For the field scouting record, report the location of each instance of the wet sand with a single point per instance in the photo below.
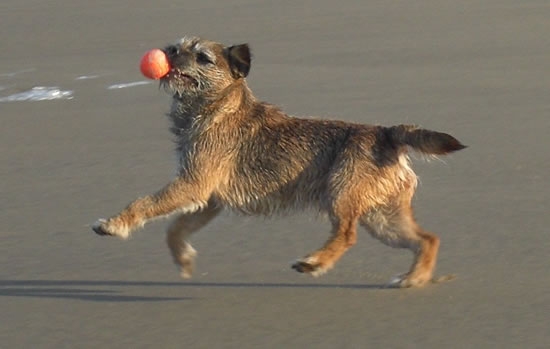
(479, 70)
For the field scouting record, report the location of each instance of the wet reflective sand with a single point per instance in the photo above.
(479, 70)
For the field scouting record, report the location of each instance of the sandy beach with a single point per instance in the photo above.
(82, 133)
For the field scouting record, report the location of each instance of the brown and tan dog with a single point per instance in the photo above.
(239, 153)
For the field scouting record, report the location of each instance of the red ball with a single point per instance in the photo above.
(154, 64)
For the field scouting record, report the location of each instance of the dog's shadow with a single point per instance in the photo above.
(75, 289)
(95, 291)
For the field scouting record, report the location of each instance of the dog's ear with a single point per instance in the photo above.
(238, 57)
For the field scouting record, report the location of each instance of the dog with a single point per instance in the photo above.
(238, 153)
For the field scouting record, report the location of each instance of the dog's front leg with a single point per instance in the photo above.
(176, 196)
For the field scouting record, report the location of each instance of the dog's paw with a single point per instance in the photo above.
(407, 280)
(107, 228)
(397, 281)
(310, 265)
(187, 262)
(99, 227)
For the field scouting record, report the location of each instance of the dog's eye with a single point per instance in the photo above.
(202, 58)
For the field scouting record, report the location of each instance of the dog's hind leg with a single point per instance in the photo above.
(178, 234)
(396, 227)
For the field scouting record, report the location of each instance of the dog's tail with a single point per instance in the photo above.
(424, 141)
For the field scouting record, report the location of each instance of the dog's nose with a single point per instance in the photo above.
(171, 51)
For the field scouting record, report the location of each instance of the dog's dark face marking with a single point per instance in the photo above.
(202, 67)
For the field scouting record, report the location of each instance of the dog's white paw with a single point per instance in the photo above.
(187, 261)
(408, 280)
(397, 281)
(105, 227)
(310, 265)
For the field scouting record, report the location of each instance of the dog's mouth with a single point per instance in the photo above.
(181, 77)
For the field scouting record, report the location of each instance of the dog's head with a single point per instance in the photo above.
(204, 68)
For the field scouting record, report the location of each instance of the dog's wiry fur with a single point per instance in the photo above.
(238, 153)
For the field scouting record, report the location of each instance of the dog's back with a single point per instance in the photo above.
(280, 163)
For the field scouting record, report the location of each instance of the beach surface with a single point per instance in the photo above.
(82, 133)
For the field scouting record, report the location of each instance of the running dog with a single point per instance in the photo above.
(236, 152)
